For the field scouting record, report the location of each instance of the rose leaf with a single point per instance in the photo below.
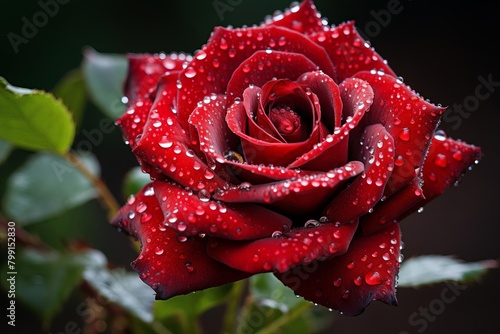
(111, 284)
(72, 91)
(34, 120)
(47, 279)
(47, 185)
(431, 269)
(104, 76)
(5, 148)
(134, 181)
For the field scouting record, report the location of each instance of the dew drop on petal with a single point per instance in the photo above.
(373, 278)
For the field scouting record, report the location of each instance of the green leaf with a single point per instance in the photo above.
(71, 89)
(34, 120)
(192, 305)
(430, 269)
(46, 185)
(135, 180)
(45, 279)
(279, 309)
(5, 149)
(105, 76)
(269, 290)
(124, 289)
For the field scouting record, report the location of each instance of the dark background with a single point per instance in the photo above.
(440, 48)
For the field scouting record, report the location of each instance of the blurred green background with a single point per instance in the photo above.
(439, 48)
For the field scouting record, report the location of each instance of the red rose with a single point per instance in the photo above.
(290, 148)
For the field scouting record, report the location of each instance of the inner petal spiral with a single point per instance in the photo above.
(289, 124)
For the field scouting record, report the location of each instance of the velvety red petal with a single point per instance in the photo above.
(349, 51)
(357, 97)
(258, 151)
(192, 214)
(165, 148)
(264, 66)
(408, 118)
(213, 65)
(446, 163)
(284, 250)
(301, 195)
(393, 208)
(143, 74)
(302, 17)
(349, 282)
(170, 264)
(376, 150)
(328, 94)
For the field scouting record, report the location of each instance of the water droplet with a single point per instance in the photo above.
(189, 267)
(440, 135)
(276, 234)
(165, 142)
(440, 160)
(158, 251)
(255, 258)
(373, 278)
(312, 223)
(351, 265)
(404, 135)
(358, 281)
(145, 217)
(337, 282)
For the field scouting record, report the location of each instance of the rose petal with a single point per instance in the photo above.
(300, 196)
(349, 51)
(328, 94)
(194, 214)
(264, 66)
(392, 209)
(144, 72)
(284, 250)
(302, 17)
(227, 49)
(349, 282)
(258, 151)
(166, 150)
(357, 97)
(408, 118)
(445, 165)
(376, 150)
(170, 264)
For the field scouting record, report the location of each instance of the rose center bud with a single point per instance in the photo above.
(289, 124)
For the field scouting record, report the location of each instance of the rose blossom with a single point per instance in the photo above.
(289, 147)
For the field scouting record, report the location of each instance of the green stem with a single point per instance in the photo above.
(283, 320)
(233, 306)
(105, 194)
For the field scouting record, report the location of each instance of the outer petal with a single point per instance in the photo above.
(349, 51)
(377, 152)
(350, 282)
(170, 264)
(408, 118)
(284, 250)
(192, 214)
(227, 49)
(302, 17)
(166, 148)
(144, 73)
(392, 209)
(448, 160)
(303, 195)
